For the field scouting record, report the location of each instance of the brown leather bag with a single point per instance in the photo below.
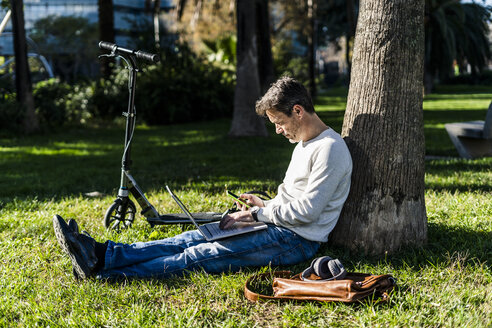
(353, 287)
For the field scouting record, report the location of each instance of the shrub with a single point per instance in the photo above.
(58, 103)
(181, 88)
(79, 103)
(110, 97)
(50, 101)
(184, 88)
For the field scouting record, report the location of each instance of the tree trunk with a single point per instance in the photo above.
(180, 6)
(154, 7)
(265, 57)
(245, 122)
(383, 128)
(22, 74)
(351, 24)
(155, 17)
(311, 46)
(106, 30)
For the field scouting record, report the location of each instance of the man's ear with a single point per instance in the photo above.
(298, 110)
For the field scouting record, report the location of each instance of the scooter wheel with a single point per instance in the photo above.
(120, 215)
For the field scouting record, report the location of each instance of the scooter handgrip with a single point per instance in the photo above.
(107, 45)
(147, 56)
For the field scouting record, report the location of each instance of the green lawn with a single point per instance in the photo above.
(446, 283)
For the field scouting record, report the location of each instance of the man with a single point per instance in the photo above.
(299, 218)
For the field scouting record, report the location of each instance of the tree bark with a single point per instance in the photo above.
(383, 128)
(22, 74)
(106, 30)
(245, 122)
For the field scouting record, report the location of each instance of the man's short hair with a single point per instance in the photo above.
(283, 95)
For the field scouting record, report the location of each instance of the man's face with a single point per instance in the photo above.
(288, 126)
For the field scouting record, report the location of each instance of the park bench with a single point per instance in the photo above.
(472, 139)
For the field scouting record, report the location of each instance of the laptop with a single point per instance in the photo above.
(211, 231)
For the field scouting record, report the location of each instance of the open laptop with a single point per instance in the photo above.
(211, 231)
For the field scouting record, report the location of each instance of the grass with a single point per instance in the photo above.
(446, 283)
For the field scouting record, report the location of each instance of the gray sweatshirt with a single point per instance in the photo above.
(316, 185)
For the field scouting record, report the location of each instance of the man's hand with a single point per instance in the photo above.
(251, 200)
(230, 219)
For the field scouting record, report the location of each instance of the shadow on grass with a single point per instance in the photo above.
(454, 115)
(459, 175)
(444, 242)
(178, 155)
(476, 92)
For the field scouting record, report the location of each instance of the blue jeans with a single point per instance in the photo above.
(190, 251)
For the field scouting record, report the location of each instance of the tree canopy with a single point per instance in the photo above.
(455, 32)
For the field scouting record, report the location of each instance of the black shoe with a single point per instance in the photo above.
(81, 248)
(73, 225)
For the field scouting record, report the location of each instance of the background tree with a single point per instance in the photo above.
(301, 27)
(264, 46)
(22, 74)
(295, 38)
(208, 20)
(338, 18)
(352, 7)
(311, 45)
(245, 122)
(254, 61)
(154, 7)
(106, 30)
(455, 31)
(383, 128)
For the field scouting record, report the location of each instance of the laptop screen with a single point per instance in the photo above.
(176, 199)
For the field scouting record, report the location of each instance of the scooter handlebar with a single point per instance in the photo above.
(153, 58)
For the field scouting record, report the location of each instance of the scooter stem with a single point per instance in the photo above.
(130, 114)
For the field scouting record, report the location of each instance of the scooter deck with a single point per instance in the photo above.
(181, 218)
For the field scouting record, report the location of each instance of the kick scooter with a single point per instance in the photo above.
(121, 213)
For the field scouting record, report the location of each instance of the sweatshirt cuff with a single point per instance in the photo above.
(264, 214)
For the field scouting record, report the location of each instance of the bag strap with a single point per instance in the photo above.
(254, 297)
